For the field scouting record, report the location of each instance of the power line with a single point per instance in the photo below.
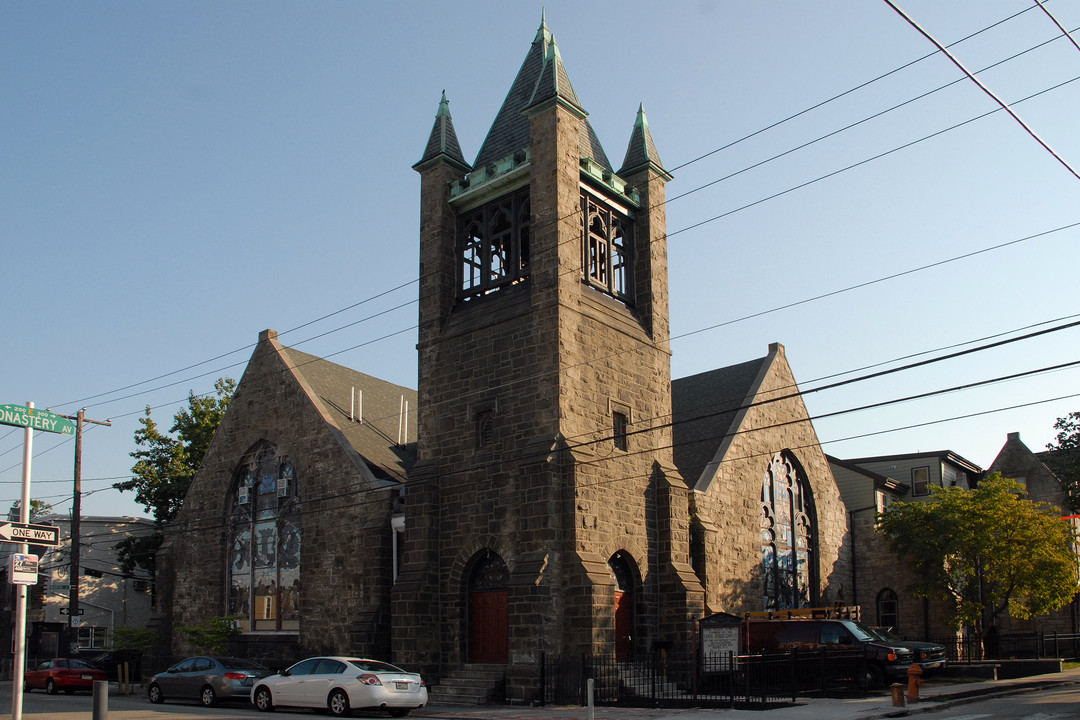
(1004, 106)
(403, 285)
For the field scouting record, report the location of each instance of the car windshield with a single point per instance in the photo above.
(78, 664)
(886, 634)
(860, 631)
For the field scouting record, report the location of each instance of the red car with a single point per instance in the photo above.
(64, 674)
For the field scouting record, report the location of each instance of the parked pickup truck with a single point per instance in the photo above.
(885, 658)
(930, 656)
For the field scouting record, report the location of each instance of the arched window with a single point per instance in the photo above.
(264, 542)
(605, 247)
(888, 609)
(787, 536)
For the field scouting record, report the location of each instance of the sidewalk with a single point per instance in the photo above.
(934, 696)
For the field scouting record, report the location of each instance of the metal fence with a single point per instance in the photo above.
(667, 679)
(1007, 646)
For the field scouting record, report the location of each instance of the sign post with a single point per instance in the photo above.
(31, 419)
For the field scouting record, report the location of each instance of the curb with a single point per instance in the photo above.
(943, 702)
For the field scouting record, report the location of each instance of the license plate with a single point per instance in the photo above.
(87, 677)
(401, 685)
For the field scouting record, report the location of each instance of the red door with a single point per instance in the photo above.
(623, 623)
(488, 627)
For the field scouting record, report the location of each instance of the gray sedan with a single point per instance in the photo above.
(208, 679)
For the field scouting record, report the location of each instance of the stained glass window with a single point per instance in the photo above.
(264, 542)
(787, 536)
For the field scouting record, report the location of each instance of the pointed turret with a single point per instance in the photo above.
(641, 152)
(542, 78)
(443, 141)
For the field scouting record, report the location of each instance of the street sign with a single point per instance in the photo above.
(46, 535)
(27, 417)
(24, 569)
(67, 611)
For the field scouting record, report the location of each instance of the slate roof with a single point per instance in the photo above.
(705, 408)
(443, 141)
(542, 77)
(376, 438)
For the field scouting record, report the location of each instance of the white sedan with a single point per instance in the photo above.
(341, 685)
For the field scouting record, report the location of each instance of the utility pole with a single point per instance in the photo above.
(73, 609)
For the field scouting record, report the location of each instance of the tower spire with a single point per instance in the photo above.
(641, 151)
(443, 142)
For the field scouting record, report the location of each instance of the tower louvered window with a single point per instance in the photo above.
(493, 245)
(605, 247)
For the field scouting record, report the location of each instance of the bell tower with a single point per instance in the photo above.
(544, 513)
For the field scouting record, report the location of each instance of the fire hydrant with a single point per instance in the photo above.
(914, 680)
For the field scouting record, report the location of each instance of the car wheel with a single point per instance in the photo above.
(399, 712)
(264, 701)
(25, 685)
(208, 696)
(338, 703)
(155, 694)
(50, 686)
(874, 677)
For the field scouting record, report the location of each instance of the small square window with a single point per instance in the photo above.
(619, 423)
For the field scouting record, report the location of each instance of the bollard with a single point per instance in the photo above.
(914, 679)
(898, 695)
(101, 700)
(590, 689)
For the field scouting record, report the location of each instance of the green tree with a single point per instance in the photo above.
(212, 636)
(989, 551)
(165, 466)
(1064, 458)
(37, 508)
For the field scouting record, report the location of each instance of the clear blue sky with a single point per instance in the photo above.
(176, 177)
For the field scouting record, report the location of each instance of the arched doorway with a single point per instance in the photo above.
(489, 625)
(622, 570)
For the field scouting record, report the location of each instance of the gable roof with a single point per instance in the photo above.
(542, 78)
(706, 410)
(373, 431)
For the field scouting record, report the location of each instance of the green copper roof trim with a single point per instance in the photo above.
(491, 174)
(599, 175)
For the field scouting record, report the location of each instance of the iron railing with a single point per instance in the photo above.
(667, 679)
(974, 647)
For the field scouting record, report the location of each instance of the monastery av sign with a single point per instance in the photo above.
(35, 419)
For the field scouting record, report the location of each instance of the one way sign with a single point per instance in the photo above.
(46, 535)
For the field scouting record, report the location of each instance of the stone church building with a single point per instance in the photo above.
(547, 489)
